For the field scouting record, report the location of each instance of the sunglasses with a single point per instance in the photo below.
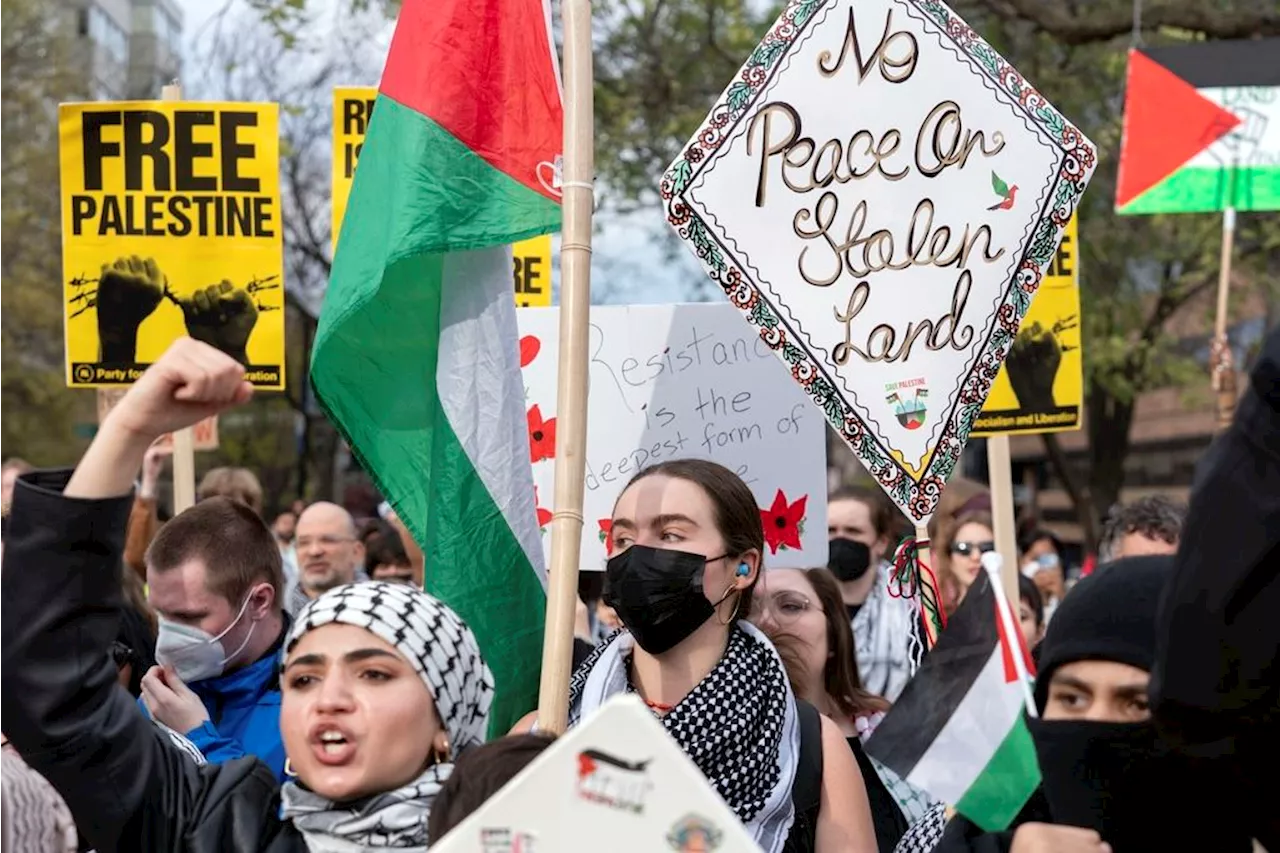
(966, 549)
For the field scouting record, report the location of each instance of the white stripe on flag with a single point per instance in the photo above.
(481, 389)
(971, 736)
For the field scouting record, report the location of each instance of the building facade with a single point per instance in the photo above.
(130, 48)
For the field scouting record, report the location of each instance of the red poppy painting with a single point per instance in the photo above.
(783, 522)
(606, 535)
(542, 436)
(544, 515)
(530, 346)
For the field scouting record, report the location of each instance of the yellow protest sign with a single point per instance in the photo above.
(531, 265)
(352, 109)
(170, 227)
(1040, 387)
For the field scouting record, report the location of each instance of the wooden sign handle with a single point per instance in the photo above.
(571, 387)
(184, 445)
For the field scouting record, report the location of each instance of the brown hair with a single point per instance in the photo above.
(477, 775)
(950, 587)
(239, 484)
(231, 539)
(884, 519)
(955, 497)
(840, 676)
(737, 516)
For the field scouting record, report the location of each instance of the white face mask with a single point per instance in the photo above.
(196, 655)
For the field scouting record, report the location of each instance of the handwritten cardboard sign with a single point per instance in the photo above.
(879, 192)
(677, 382)
(617, 776)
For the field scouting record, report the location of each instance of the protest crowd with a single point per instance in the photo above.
(329, 706)
(218, 673)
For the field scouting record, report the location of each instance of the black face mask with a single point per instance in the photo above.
(848, 560)
(657, 593)
(1115, 778)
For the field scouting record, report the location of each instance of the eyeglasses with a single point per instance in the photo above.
(967, 549)
(325, 542)
(783, 607)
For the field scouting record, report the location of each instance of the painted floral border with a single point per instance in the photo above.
(917, 498)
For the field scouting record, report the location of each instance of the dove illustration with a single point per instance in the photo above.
(1006, 192)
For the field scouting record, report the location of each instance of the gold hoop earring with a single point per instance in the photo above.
(442, 756)
(736, 604)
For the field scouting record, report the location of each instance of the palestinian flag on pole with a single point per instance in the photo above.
(416, 356)
(957, 731)
(1201, 128)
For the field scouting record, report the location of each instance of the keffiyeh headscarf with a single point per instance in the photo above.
(738, 725)
(443, 651)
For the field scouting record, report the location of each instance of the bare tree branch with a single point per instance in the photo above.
(1103, 21)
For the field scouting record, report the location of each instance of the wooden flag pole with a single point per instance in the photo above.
(184, 447)
(571, 386)
(1000, 479)
(1222, 365)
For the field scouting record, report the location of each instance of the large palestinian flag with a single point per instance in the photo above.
(416, 358)
(1201, 128)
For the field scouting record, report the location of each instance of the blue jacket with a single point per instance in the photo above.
(244, 713)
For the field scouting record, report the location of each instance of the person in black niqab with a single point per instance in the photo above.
(1108, 782)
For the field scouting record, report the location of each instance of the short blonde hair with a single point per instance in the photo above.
(239, 484)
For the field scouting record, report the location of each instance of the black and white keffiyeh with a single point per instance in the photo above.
(923, 835)
(738, 725)
(443, 651)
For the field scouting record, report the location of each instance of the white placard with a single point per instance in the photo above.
(879, 193)
(616, 782)
(675, 382)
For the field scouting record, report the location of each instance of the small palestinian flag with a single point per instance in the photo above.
(1201, 128)
(958, 731)
(910, 413)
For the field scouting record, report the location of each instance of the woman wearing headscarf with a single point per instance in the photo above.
(381, 684)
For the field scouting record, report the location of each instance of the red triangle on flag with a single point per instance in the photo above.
(1166, 123)
(1007, 650)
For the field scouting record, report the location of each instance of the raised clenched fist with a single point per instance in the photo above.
(222, 316)
(189, 383)
(1033, 364)
(128, 292)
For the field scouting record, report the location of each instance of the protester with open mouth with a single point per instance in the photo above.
(381, 683)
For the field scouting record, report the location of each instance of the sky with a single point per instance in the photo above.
(631, 264)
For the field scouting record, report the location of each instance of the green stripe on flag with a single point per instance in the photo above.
(1004, 785)
(1199, 190)
(420, 193)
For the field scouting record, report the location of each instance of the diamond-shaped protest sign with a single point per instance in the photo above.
(879, 192)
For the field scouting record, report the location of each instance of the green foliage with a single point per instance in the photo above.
(659, 67)
(40, 68)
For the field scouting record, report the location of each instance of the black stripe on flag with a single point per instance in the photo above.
(1214, 64)
(945, 677)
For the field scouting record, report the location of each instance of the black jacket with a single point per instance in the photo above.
(128, 787)
(1215, 686)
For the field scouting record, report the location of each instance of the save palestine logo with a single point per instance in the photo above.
(908, 399)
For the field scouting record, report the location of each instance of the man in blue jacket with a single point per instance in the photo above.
(216, 580)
